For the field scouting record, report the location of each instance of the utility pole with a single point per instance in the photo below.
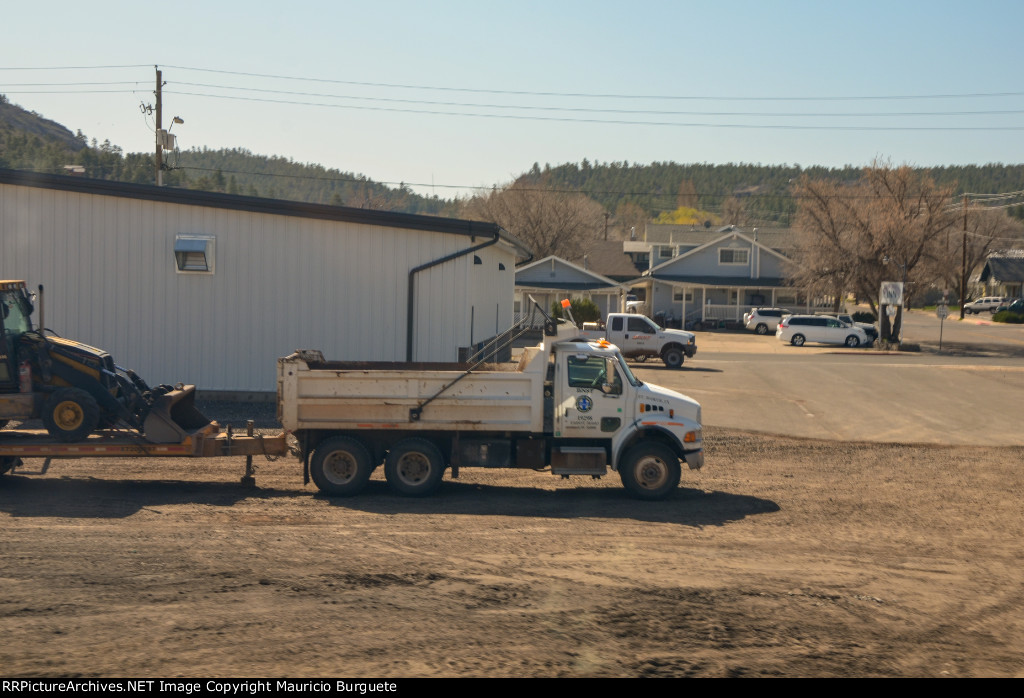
(159, 160)
(963, 266)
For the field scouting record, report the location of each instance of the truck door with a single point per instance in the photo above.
(590, 401)
(641, 335)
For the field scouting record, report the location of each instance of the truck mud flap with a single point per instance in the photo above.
(173, 416)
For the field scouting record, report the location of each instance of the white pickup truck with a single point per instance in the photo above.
(639, 337)
(571, 406)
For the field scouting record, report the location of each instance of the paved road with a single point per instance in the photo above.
(975, 334)
(758, 383)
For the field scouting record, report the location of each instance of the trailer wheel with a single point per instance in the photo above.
(70, 414)
(650, 471)
(414, 468)
(9, 463)
(340, 466)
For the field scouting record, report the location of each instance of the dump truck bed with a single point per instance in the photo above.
(325, 395)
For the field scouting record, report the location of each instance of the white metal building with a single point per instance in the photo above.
(210, 289)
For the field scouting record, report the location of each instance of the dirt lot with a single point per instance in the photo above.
(784, 557)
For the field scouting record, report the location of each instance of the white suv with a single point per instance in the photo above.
(764, 320)
(989, 303)
(798, 329)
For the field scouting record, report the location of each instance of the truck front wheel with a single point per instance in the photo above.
(340, 466)
(650, 471)
(673, 357)
(414, 468)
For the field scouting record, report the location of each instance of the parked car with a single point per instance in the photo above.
(1016, 306)
(764, 320)
(870, 330)
(989, 303)
(799, 329)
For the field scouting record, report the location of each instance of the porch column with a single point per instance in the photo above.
(736, 313)
(703, 303)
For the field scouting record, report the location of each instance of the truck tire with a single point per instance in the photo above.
(340, 466)
(673, 357)
(414, 468)
(650, 471)
(70, 414)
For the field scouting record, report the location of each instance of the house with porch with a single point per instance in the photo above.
(552, 278)
(715, 278)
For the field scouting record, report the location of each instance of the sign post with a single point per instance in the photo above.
(941, 312)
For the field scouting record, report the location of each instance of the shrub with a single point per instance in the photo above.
(583, 310)
(1007, 316)
(863, 316)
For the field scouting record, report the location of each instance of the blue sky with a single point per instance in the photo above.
(465, 94)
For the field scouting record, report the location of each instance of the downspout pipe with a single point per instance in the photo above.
(409, 313)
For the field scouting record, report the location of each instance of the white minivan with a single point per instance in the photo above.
(798, 329)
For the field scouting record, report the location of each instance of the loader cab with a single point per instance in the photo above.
(15, 321)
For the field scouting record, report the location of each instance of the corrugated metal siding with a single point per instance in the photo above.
(280, 283)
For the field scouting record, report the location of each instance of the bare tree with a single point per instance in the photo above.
(887, 225)
(988, 230)
(686, 197)
(734, 212)
(631, 218)
(551, 222)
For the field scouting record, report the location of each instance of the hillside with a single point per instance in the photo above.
(761, 194)
(744, 194)
(28, 141)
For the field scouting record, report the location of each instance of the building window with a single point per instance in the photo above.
(194, 254)
(729, 255)
(665, 252)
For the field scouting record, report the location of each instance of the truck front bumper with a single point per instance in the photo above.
(690, 350)
(695, 459)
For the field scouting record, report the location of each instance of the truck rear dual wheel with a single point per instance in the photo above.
(414, 468)
(340, 467)
(650, 471)
(70, 414)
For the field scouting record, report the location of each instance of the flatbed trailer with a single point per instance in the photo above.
(209, 441)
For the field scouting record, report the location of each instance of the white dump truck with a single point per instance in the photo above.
(640, 338)
(571, 406)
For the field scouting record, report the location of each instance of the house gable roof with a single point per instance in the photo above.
(1003, 268)
(732, 235)
(673, 234)
(582, 279)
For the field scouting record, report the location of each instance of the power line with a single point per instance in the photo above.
(617, 122)
(601, 111)
(76, 67)
(603, 96)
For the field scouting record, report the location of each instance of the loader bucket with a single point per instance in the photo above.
(173, 416)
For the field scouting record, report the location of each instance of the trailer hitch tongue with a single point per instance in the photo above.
(173, 416)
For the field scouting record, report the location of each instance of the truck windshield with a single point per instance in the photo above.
(633, 380)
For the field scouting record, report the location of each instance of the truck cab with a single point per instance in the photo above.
(647, 428)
